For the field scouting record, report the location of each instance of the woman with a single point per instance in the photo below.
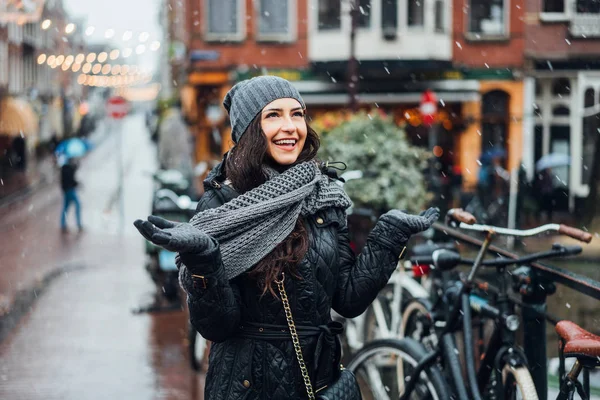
(270, 215)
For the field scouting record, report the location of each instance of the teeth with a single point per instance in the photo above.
(286, 141)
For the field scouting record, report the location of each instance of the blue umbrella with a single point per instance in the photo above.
(490, 154)
(72, 148)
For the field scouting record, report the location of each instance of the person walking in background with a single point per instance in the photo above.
(269, 245)
(69, 185)
(546, 190)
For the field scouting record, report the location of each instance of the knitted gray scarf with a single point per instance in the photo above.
(251, 225)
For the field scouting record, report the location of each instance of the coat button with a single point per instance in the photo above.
(320, 221)
(246, 383)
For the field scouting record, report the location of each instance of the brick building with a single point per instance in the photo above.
(562, 90)
(489, 43)
(230, 40)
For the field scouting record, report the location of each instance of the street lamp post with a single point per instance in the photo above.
(352, 62)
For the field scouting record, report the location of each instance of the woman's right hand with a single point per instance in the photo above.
(179, 237)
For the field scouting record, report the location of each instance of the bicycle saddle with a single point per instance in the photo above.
(577, 342)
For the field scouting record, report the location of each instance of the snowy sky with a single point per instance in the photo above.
(136, 16)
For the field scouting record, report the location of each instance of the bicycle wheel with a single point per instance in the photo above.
(417, 323)
(379, 364)
(518, 384)
(197, 349)
(379, 320)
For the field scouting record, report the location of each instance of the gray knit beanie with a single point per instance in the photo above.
(247, 98)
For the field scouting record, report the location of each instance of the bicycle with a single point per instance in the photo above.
(419, 364)
(585, 348)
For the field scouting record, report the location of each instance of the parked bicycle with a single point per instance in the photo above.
(429, 367)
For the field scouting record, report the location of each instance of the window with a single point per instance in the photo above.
(554, 6)
(589, 98)
(389, 18)
(329, 14)
(561, 111)
(364, 13)
(588, 6)
(274, 20)
(439, 16)
(561, 87)
(415, 12)
(487, 17)
(225, 19)
(591, 127)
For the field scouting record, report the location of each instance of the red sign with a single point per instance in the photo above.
(117, 107)
(428, 107)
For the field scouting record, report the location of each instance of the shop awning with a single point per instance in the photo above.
(330, 93)
(385, 98)
(17, 117)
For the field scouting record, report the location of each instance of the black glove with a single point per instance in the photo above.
(407, 225)
(174, 236)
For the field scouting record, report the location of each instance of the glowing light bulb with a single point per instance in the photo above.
(87, 67)
(69, 28)
(90, 30)
(155, 45)
(127, 36)
(91, 57)
(41, 59)
(109, 33)
(46, 24)
(102, 57)
(127, 52)
(114, 54)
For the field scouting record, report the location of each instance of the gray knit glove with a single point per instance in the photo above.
(407, 225)
(173, 236)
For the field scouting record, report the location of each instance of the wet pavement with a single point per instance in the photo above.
(78, 338)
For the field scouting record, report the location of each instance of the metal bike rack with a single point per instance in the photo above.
(534, 298)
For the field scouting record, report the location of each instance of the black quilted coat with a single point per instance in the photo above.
(252, 356)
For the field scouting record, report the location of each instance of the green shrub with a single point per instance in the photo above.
(392, 168)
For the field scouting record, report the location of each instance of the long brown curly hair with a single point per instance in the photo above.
(244, 168)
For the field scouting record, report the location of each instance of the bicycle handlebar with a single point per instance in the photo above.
(460, 216)
(575, 233)
(447, 259)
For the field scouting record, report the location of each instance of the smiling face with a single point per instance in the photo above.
(283, 123)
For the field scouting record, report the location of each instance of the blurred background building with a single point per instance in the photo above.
(515, 78)
(39, 95)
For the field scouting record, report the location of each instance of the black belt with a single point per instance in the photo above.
(327, 337)
(252, 330)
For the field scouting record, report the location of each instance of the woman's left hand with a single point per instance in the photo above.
(407, 225)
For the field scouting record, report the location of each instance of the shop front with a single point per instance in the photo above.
(564, 120)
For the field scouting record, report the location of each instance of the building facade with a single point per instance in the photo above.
(562, 89)
(230, 40)
(38, 94)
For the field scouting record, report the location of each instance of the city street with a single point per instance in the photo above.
(80, 339)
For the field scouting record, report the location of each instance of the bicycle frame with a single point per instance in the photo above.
(431, 358)
(534, 306)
